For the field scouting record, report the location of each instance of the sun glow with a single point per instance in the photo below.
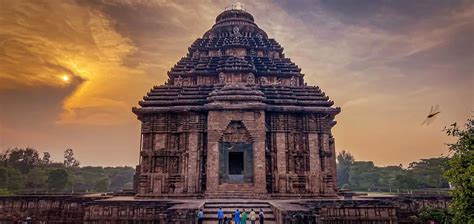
(65, 78)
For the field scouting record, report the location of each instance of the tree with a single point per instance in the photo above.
(57, 179)
(363, 175)
(36, 179)
(69, 160)
(21, 159)
(388, 177)
(11, 179)
(46, 158)
(428, 214)
(344, 161)
(460, 172)
(406, 181)
(429, 172)
(118, 180)
(102, 185)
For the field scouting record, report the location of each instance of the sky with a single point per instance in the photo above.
(385, 63)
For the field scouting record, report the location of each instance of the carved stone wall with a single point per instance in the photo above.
(299, 155)
(172, 157)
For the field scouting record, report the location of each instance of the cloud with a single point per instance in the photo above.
(42, 41)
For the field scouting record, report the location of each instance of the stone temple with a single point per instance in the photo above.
(236, 117)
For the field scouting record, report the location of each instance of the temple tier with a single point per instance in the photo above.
(236, 117)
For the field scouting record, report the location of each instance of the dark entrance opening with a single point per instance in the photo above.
(236, 163)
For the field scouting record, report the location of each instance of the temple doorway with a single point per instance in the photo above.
(236, 163)
(236, 167)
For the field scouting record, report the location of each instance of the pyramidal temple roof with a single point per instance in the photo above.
(235, 51)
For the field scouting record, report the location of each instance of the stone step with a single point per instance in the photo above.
(215, 222)
(214, 216)
(237, 205)
(235, 196)
(229, 207)
(232, 209)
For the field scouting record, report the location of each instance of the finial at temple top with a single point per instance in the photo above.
(236, 6)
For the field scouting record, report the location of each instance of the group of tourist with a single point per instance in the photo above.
(236, 218)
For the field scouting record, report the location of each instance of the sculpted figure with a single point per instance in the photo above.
(264, 81)
(236, 31)
(250, 79)
(178, 81)
(222, 78)
(292, 81)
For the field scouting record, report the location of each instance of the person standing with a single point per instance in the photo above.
(237, 216)
(261, 216)
(200, 216)
(220, 216)
(243, 219)
(226, 221)
(252, 216)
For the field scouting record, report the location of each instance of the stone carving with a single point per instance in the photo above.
(236, 132)
(276, 82)
(292, 81)
(264, 80)
(174, 168)
(222, 78)
(196, 54)
(299, 164)
(250, 79)
(178, 81)
(253, 52)
(236, 32)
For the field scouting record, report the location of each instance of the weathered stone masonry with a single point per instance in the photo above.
(236, 115)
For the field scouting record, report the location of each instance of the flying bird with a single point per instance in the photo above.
(432, 115)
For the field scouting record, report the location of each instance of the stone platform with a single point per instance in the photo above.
(98, 208)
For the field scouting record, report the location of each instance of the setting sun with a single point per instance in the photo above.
(65, 78)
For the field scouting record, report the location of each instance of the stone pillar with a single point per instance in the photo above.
(282, 180)
(193, 166)
(324, 162)
(329, 165)
(212, 153)
(314, 163)
(332, 162)
(259, 157)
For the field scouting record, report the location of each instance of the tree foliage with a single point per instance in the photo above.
(22, 160)
(428, 214)
(365, 176)
(460, 172)
(57, 179)
(344, 161)
(69, 160)
(23, 171)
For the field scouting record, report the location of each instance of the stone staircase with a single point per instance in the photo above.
(229, 206)
(235, 194)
